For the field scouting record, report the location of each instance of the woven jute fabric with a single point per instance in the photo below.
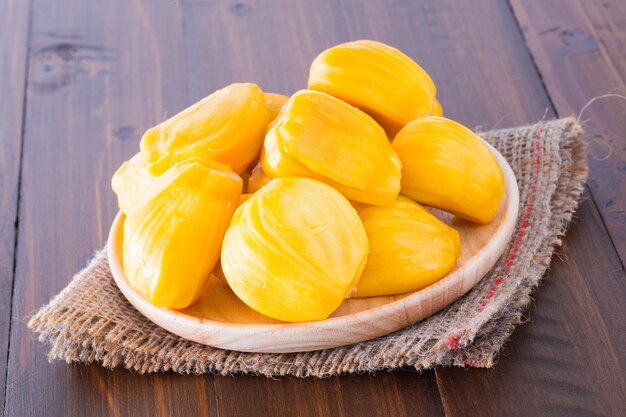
(91, 321)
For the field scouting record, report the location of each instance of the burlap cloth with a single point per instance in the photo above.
(90, 320)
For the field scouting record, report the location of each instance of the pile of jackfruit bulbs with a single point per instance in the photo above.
(301, 202)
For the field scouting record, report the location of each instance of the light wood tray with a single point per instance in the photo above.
(223, 321)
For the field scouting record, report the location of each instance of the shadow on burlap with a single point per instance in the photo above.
(90, 320)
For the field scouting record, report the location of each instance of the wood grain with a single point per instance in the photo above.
(400, 393)
(556, 362)
(569, 360)
(580, 48)
(100, 73)
(13, 63)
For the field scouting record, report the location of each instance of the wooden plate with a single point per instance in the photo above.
(224, 321)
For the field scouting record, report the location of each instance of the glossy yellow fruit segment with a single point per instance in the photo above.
(437, 110)
(243, 198)
(410, 248)
(275, 103)
(294, 250)
(257, 179)
(130, 181)
(228, 126)
(376, 78)
(172, 240)
(445, 165)
(321, 137)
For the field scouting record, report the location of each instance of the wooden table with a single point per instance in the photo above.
(81, 80)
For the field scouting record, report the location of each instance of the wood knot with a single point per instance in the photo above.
(125, 133)
(239, 9)
(578, 40)
(55, 66)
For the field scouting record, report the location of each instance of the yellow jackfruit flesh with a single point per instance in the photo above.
(410, 248)
(172, 240)
(275, 103)
(243, 198)
(133, 178)
(294, 250)
(257, 179)
(130, 181)
(228, 126)
(445, 165)
(321, 137)
(437, 110)
(376, 78)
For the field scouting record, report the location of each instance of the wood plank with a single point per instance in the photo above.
(580, 48)
(569, 360)
(100, 73)
(402, 393)
(13, 63)
(272, 43)
(557, 363)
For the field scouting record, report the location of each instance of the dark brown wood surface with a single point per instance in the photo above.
(13, 51)
(569, 360)
(89, 77)
(580, 49)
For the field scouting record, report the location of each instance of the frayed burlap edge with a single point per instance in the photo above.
(90, 321)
